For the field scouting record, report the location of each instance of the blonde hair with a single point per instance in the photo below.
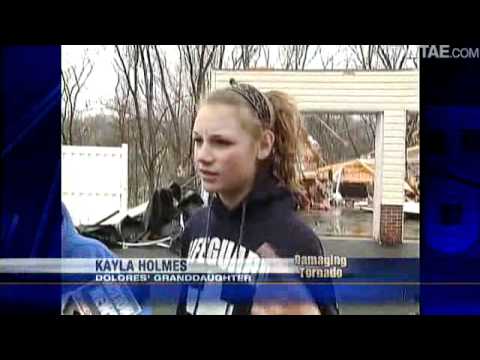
(290, 135)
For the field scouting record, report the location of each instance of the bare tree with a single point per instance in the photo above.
(73, 82)
(296, 57)
(176, 104)
(156, 104)
(395, 57)
(219, 61)
(120, 107)
(265, 51)
(136, 63)
(369, 125)
(389, 57)
(327, 61)
(346, 121)
(365, 57)
(197, 60)
(340, 136)
(244, 57)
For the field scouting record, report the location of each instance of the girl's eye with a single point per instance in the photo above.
(222, 142)
(197, 141)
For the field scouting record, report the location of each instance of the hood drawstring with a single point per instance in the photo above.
(242, 226)
(200, 286)
(207, 231)
(236, 249)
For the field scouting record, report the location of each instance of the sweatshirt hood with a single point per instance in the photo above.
(265, 192)
(265, 195)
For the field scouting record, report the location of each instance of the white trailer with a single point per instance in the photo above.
(94, 181)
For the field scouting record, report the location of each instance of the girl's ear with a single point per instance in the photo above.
(265, 145)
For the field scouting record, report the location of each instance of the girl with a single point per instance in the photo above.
(246, 150)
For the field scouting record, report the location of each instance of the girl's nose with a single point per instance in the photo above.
(203, 154)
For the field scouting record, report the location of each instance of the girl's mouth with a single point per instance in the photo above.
(208, 174)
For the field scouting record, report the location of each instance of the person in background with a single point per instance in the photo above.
(75, 245)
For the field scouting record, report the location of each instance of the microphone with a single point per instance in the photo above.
(101, 299)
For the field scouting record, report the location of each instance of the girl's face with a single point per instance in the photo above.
(225, 151)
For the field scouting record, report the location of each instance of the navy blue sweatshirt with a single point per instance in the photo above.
(266, 217)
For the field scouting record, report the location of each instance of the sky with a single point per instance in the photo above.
(100, 86)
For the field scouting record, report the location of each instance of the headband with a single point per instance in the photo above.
(257, 100)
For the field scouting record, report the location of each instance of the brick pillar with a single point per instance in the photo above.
(391, 224)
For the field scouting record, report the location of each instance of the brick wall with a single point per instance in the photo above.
(391, 221)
